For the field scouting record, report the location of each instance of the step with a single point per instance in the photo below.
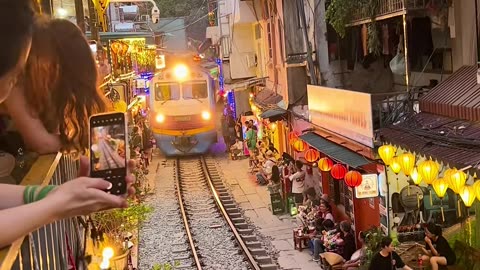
(238, 220)
(249, 238)
(258, 251)
(263, 259)
(253, 244)
(245, 231)
(268, 266)
(241, 225)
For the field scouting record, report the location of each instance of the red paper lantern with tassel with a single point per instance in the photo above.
(311, 155)
(325, 164)
(338, 171)
(300, 145)
(353, 179)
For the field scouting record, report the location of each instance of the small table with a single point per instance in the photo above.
(300, 241)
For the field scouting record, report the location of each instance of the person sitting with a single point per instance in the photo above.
(329, 234)
(387, 258)
(325, 210)
(275, 186)
(437, 249)
(236, 149)
(336, 261)
(316, 234)
(265, 173)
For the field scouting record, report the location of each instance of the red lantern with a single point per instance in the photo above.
(311, 155)
(300, 145)
(325, 164)
(338, 171)
(293, 135)
(353, 179)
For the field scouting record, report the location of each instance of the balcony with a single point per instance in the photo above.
(56, 245)
(388, 9)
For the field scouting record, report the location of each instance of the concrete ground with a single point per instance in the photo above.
(255, 201)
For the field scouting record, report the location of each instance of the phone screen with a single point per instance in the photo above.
(108, 145)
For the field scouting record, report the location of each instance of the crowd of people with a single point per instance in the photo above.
(48, 89)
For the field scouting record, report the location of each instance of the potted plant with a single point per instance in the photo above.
(372, 241)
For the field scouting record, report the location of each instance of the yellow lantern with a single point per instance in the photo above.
(395, 165)
(428, 170)
(416, 177)
(467, 193)
(387, 152)
(476, 186)
(440, 187)
(456, 180)
(407, 162)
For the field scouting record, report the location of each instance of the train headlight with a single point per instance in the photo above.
(160, 118)
(181, 72)
(206, 115)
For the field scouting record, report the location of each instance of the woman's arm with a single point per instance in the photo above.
(32, 129)
(18, 221)
(11, 196)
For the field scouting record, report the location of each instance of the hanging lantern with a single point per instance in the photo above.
(300, 145)
(325, 164)
(476, 186)
(311, 155)
(353, 179)
(395, 165)
(456, 180)
(416, 177)
(338, 171)
(293, 141)
(428, 170)
(467, 193)
(293, 135)
(440, 187)
(387, 152)
(407, 162)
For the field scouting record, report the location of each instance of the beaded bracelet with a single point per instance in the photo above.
(31, 195)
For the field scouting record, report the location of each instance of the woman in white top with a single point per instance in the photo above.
(298, 183)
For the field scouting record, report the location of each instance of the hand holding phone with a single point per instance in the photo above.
(109, 148)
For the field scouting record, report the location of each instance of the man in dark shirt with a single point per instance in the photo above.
(387, 258)
(437, 247)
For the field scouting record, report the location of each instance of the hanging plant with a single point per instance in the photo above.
(339, 13)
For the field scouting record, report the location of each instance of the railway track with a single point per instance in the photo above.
(206, 229)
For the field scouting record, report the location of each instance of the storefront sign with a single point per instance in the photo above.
(347, 113)
(368, 188)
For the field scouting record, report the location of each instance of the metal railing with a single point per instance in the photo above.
(54, 246)
(387, 8)
(389, 108)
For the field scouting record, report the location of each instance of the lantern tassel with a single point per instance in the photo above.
(398, 186)
(443, 215)
(408, 190)
(459, 208)
(431, 199)
(418, 201)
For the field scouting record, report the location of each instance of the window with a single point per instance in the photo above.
(195, 90)
(167, 91)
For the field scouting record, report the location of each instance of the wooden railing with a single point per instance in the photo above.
(387, 9)
(55, 245)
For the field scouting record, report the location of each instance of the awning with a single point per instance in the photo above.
(334, 150)
(453, 141)
(458, 96)
(267, 97)
(273, 114)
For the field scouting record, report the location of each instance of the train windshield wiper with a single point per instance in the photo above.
(165, 101)
(199, 100)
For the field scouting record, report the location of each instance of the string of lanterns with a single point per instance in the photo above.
(428, 171)
(338, 171)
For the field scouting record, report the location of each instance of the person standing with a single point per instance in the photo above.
(298, 183)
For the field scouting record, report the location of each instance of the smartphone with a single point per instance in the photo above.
(109, 149)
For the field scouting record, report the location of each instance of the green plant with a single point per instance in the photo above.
(372, 241)
(115, 223)
(165, 266)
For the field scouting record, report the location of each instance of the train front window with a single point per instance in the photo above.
(195, 90)
(167, 91)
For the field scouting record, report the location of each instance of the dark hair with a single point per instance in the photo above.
(346, 226)
(328, 224)
(298, 164)
(311, 191)
(363, 235)
(61, 80)
(319, 224)
(275, 174)
(327, 205)
(386, 241)
(16, 20)
(434, 229)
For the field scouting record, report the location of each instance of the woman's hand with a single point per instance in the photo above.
(85, 195)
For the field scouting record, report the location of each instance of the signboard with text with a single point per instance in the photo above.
(368, 188)
(347, 113)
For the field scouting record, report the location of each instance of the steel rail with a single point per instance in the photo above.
(184, 217)
(225, 215)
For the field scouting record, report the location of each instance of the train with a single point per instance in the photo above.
(182, 110)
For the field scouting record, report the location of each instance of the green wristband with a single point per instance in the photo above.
(31, 195)
(44, 192)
